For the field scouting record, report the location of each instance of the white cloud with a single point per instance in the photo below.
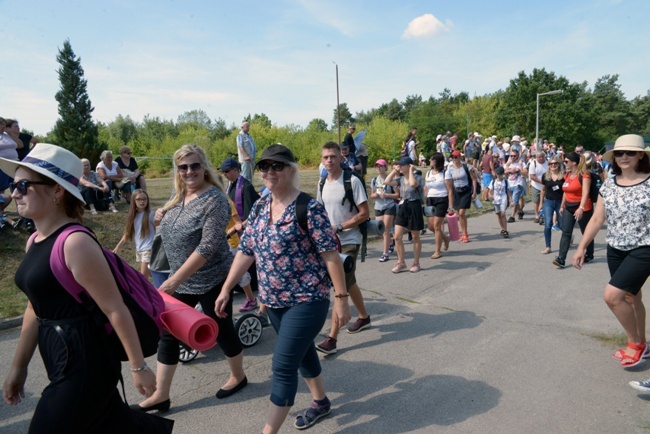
(424, 26)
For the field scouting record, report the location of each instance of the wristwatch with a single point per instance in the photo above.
(339, 228)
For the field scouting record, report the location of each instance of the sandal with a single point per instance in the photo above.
(546, 251)
(506, 234)
(436, 256)
(464, 238)
(629, 361)
(415, 268)
(311, 415)
(620, 354)
(445, 243)
(401, 266)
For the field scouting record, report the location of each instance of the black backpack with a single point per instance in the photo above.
(594, 187)
(347, 184)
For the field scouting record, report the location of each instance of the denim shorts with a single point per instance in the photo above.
(516, 192)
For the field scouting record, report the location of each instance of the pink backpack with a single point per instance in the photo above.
(141, 298)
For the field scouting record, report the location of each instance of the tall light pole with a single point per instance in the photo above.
(338, 106)
(552, 92)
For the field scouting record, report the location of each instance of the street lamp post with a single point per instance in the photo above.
(552, 92)
(338, 105)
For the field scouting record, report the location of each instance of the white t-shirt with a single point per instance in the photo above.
(435, 183)
(8, 147)
(458, 175)
(111, 172)
(537, 169)
(411, 149)
(333, 194)
(141, 244)
(499, 192)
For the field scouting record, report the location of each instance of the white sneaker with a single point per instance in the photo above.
(643, 386)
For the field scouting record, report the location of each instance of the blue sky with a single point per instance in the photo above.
(231, 58)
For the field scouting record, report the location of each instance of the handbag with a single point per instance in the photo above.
(159, 260)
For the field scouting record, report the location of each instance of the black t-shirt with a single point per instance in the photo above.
(26, 139)
(553, 188)
(349, 141)
(249, 195)
(133, 165)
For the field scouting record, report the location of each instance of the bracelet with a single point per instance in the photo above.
(144, 367)
(341, 295)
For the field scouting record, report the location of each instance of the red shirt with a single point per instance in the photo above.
(573, 190)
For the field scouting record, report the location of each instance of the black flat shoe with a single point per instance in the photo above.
(162, 407)
(222, 393)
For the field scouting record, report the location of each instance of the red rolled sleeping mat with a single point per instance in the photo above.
(188, 325)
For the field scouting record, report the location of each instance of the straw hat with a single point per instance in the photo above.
(627, 142)
(52, 162)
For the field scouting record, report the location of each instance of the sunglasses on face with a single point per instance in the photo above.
(621, 153)
(453, 158)
(553, 164)
(185, 167)
(23, 185)
(277, 166)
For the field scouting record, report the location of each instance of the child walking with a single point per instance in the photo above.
(139, 228)
(500, 195)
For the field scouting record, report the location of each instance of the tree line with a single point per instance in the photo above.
(579, 115)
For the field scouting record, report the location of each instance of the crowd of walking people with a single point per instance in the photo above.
(291, 243)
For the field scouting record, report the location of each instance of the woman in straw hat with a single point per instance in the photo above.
(82, 395)
(625, 205)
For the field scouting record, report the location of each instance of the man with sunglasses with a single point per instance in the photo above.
(246, 151)
(346, 218)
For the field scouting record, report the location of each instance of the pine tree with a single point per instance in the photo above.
(75, 130)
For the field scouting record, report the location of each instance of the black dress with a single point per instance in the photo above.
(82, 396)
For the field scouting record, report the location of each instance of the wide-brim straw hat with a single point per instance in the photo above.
(627, 142)
(52, 162)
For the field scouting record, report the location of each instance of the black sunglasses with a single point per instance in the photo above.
(23, 185)
(628, 153)
(184, 167)
(277, 166)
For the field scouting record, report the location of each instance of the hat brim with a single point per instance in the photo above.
(9, 167)
(609, 155)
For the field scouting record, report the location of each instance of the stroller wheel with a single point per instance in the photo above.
(249, 329)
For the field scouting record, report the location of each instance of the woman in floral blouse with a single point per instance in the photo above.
(296, 270)
(625, 204)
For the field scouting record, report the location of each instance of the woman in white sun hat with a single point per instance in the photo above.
(82, 395)
(624, 203)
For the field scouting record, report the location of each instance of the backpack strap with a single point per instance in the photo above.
(349, 193)
(60, 269)
(302, 201)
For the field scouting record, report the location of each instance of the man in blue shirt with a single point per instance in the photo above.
(246, 151)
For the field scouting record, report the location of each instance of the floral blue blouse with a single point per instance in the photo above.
(290, 268)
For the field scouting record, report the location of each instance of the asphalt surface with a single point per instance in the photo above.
(490, 338)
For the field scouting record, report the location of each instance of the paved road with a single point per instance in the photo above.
(490, 338)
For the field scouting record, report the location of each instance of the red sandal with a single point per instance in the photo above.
(629, 361)
(620, 354)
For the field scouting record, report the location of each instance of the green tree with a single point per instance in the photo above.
(317, 124)
(346, 116)
(122, 130)
(75, 129)
(641, 110)
(194, 118)
(613, 111)
(259, 119)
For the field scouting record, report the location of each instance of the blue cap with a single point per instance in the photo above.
(405, 161)
(230, 163)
